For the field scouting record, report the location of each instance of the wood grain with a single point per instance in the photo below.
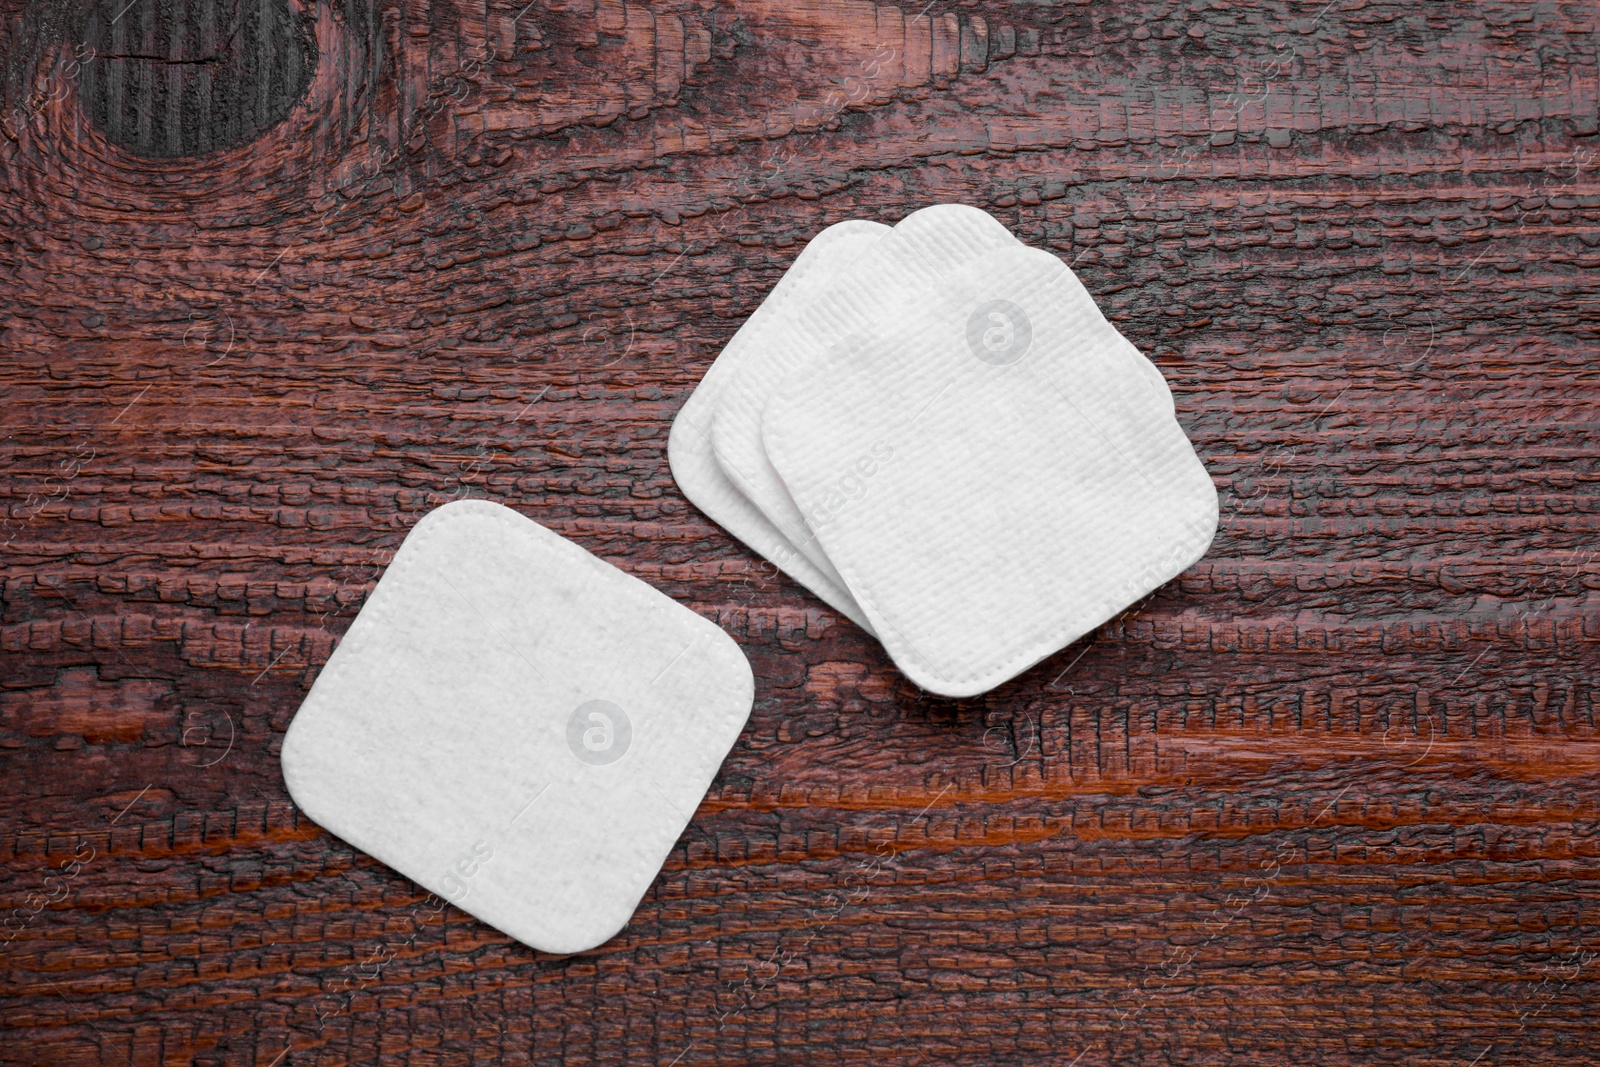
(1330, 797)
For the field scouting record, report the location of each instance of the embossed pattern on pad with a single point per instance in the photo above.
(518, 726)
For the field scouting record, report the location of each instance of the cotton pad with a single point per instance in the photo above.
(990, 471)
(921, 249)
(518, 726)
(689, 449)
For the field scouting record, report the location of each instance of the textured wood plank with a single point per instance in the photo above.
(1330, 796)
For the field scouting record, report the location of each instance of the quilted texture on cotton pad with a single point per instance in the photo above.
(689, 449)
(990, 472)
(518, 726)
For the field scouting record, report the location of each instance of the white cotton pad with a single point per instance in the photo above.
(921, 249)
(518, 726)
(689, 450)
(1155, 382)
(990, 472)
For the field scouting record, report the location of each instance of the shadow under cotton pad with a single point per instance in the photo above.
(518, 726)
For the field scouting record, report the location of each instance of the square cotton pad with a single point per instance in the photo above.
(689, 447)
(989, 471)
(518, 726)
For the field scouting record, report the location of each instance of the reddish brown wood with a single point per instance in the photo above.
(1328, 798)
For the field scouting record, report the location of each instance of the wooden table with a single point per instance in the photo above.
(1328, 798)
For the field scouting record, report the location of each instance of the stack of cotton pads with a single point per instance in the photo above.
(934, 429)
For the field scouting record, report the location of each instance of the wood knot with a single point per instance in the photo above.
(167, 78)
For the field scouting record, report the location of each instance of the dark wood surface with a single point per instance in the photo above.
(1329, 798)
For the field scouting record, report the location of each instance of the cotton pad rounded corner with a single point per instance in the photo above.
(518, 726)
(945, 233)
(1154, 572)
